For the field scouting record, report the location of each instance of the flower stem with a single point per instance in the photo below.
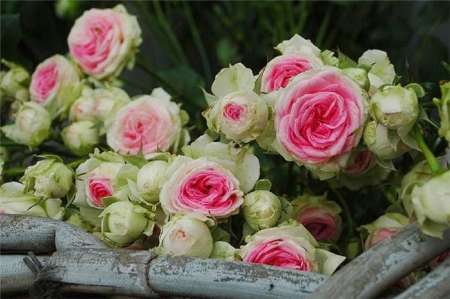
(431, 159)
(348, 214)
(14, 171)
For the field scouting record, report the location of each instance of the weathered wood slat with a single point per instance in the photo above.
(375, 270)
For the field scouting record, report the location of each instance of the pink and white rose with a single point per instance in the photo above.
(241, 116)
(150, 123)
(318, 119)
(98, 177)
(205, 186)
(319, 216)
(384, 227)
(289, 246)
(281, 69)
(55, 84)
(103, 41)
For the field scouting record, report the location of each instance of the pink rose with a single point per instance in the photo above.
(289, 246)
(148, 123)
(281, 69)
(321, 224)
(364, 161)
(102, 175)
(280, 252)
(319, 215)
(202, 186)
(99, 187)
(384, 227)
(318, 117)
(55, 84)
(103, 41)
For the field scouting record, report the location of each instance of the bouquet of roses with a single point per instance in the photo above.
(142, 180)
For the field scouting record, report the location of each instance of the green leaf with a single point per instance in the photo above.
(420, 92)
(286, 210)
(219, 234)
(393, 138)
(385, 163)
(263, 184)
(210, 98)
(135, 160)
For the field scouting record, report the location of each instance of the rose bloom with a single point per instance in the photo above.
(54, 84)
(384, 227)
(240, 115)
(319, 216)
(281, 69)
(103, 41)
(149, 123)
(289, 247)
(185, 235)
(203, 186)
(318, 117)
(97, 178)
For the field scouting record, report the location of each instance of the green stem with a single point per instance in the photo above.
(14, 171)
(431, 159)
(198, 42)
(348, 214)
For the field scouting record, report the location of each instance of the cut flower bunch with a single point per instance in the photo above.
(347, 135)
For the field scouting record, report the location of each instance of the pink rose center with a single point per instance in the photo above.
(279, 253)
(363, 162)
(322, 225)
(147, 130)
(233, 111)
(44, 81)
(99, 187)
(208, 191)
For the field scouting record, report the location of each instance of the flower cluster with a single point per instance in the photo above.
(142, 181)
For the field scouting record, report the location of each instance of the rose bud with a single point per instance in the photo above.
(289, 246)
(376, 138)
(107, 101)
(381, 71)
(150, 179)
(104, 41)
(13, 200)
(233, 78)
(31, 127)
(261, 209)
(14, 83)
(443, 105)
(124, 222)
(83, 107)
(55, 85)
(431, 203)
(48, 178)
(241, 116)
(384, 227)
(81, 137)
(418, 175)
(395, 107)
(185, 235)
(223, 251)
(319, 216)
